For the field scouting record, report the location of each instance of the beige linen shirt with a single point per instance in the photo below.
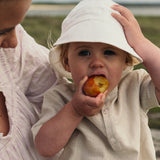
(119, 132)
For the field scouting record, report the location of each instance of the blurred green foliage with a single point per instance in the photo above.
(41, 28)
(151, 28)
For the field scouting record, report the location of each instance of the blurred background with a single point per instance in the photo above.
(44, 18)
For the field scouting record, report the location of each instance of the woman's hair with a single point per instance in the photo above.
(130, 60)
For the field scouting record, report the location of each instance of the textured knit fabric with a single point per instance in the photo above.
(29, 65)
(24, 72)
(119, 132)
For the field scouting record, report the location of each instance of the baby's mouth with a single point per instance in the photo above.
(92, 75)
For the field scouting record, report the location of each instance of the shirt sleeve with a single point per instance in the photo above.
(54, 100)
(147, 91)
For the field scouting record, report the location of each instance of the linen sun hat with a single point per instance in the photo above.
(90, 21)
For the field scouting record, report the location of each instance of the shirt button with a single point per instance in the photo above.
(113, 140)
(105, 111)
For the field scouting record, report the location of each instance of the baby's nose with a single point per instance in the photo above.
(96, 63)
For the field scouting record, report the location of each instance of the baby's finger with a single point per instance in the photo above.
(81, 83)
(119, 18)
(123, 11)
(105, 93)
(96, 102)
(91, 101)
(101, 99)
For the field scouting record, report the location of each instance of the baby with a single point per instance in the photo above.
(100, 38)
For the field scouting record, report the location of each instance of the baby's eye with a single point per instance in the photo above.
(84, 53)
(109, 52)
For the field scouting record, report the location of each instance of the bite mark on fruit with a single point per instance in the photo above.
(94, 85)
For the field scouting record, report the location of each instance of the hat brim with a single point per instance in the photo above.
(97, 31)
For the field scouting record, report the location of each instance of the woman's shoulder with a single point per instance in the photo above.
(28, 46)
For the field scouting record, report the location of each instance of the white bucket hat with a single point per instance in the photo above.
(90, 21)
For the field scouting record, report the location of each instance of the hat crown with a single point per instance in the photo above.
(89, 10)
(91, 21)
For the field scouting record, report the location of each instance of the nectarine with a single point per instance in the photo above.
(95, 85)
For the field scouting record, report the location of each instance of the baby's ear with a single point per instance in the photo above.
(66, 65)
(67, 68)
(125, 66)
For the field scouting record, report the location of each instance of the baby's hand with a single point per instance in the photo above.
(85, 105)
(130, 25)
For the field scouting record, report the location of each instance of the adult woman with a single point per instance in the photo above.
(23, 65)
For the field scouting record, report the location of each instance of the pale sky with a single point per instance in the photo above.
(139, 1)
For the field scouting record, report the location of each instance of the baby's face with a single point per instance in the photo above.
(12, 13)
(87, 59)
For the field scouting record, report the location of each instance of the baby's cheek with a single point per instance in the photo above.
(76, 79)
(113, 83)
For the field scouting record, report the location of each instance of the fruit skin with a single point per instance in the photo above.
(95, 85)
